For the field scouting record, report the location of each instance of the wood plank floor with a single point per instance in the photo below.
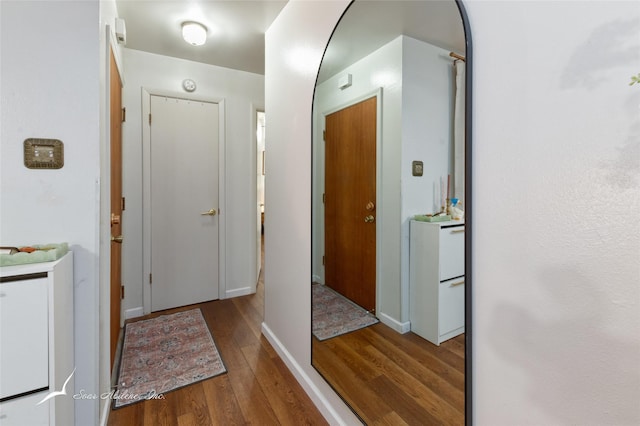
(395, 379)
(257, 389)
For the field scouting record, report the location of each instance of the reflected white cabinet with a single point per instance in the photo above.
(436, 279)
(36, 342)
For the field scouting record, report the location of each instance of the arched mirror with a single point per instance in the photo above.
(390, 231)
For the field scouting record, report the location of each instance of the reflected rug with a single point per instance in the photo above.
(334, 314)
(165, 353)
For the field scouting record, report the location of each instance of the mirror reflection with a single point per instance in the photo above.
(388, 290)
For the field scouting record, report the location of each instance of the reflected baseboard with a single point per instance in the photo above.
(400, 327)
(244, 291)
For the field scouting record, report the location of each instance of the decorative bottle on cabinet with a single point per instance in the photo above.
(436, 279)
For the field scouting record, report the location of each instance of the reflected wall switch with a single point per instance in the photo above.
(416, 168)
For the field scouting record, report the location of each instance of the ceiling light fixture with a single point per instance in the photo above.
(194, 33)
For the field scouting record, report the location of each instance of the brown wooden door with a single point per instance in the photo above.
(350, 202)
(116, 203)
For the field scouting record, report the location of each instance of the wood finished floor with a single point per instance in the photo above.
(389, 378)
(258, 389)
(395, 379)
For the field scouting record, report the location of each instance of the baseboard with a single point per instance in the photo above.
(317, 279)
(133, 313)
(239, 292)
(305, 381)
(106, 410)
(400, 327)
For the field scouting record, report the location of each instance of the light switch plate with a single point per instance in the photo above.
(43, 153)
(417, 168)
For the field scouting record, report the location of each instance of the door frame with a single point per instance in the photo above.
(377, 93)
(146, 190)
(256, 160)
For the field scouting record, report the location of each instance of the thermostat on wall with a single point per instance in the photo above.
(43, 153)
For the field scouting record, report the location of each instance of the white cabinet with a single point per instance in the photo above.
(436, 279)
(36, 342)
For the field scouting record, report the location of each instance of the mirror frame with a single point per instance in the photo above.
(468, 308)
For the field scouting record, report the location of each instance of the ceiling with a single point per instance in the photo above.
(236, 29)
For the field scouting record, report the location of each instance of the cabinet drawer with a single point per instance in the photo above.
(451, 312)
(451, 252)
(24, 411)
(24, 336)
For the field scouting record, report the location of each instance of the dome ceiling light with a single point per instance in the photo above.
(194, 33)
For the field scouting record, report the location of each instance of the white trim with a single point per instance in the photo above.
(146, 190)
(134, 313)
(400, 327)
(377, 93)
(255, 109)
(317, 279)
(236, 292)
(106, 411)
(305, 381)
(117, 52)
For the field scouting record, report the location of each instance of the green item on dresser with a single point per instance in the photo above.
(43, 253)
(425, 218)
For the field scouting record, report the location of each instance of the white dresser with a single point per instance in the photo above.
(436, 279)
(36, 343)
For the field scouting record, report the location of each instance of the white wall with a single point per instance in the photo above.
(427, 124)
(294, 45)
(242, 92)
(49, 82)
(556, 278)
(556, 282)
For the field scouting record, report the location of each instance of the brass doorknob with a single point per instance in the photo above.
(211, 212)
(117, 239)
(370, 206)
(369, 219)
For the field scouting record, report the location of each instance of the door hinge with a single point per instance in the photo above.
(124, 114)
(323, 260)
(149, 119)
(150, 279)
(324, 135)
(122, 203)
(122, 292)
(323, 198)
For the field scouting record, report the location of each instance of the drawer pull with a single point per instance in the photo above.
(457, 231)
(457, 284)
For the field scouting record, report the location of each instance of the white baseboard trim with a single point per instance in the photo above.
(239, 292)
(400, 327)
(309, 387)
(317, 279)
(106, 410)
(133, 313)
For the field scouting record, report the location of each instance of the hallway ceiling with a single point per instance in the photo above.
(236, 29)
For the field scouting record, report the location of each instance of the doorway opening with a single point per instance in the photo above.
(260, 178)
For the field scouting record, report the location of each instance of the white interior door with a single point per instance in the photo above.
(184, 202)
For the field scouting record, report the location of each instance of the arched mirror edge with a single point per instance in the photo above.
(468, 352)
(468, 307)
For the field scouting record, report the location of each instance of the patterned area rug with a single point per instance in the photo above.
(334, 314)
(163, 354)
